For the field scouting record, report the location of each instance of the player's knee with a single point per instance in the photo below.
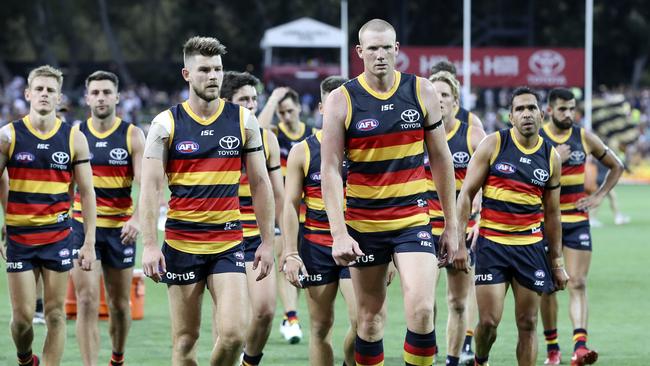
(421, 313)
(577, 283)
(264, 314)
(488, 323)
(320, 328)
(232, 339)
(527, 322)
(369, 323)
(21, 321)
(87, 301)
(54, 317)
(456, 305)
(184, 343)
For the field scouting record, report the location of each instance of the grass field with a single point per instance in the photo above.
(618, 290)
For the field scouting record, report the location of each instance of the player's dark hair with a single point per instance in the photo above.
(233, 81)
(444, 65)
(330, 83)
(559, 93)
(103, 75)
(291, 94)
(521, 91)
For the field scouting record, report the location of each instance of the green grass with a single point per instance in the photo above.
(618, 291)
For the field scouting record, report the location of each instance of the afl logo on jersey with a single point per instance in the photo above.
(541, 175)
(25, 157)
(315, 176)
(505, 168)
(460, 157)
(118, 153)
(187, 147)
(367, 124)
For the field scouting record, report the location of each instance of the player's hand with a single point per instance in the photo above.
(292, 266)
(86, 256)
(263, 259)
(3, 242)
(130, 231)
(472, 236)
(278, 93)
(564, 150)
(345, 250)
(448, 247)
(589, 203)
(390, 274)
(153, 262)
(461, 260)
(560, 277)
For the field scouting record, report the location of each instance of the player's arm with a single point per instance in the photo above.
(476, 135)
(552, 223)
(262, 194)
(151, 177)
(131, 228)
(474, 121)
(601, 152)
(291, 262)
(344, 249)
(83, 177)
(442, 170)
(275, 175)
(5, 143)
(265, 117)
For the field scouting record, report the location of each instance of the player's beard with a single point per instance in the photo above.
(201, 94)
(564, 124)
(107, 112)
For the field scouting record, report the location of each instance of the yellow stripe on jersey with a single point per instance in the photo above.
(251, 232)
(572, 180)
(12, 144)
(505, 195)
(206, 217)
(437, 230)
(436, 213)
(111, 182)
(129, 147)
(567, 206)
(388, 225)
(418, 94)
(315, 203)
(506, 227)
(204, 178)
(37, 186)
(514, 239)
(197, 247)
(30, 220)
(348, 102)
(497, 148)
(244, 190)
(104, 222)
(386, 153)
(74, 130)
(573, 218)
(392, 190)
(106, 210)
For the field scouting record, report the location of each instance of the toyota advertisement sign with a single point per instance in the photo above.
(496, 67)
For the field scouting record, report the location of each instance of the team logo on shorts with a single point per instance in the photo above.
(239, 255)
(25, 157)
(540, 274)
(410, 116)
(315, 176)
(187, 147)
(367, 124)
(128, 252)
(583, 236)
(424, 235)
(64, 253)
(505, 168)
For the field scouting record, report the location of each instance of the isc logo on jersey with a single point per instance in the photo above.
(367, 124)
(187, 147)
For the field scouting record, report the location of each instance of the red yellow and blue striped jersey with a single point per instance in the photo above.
(112, 167)
(317, 227)
(572, 181)
(248, 220)
(511, 213)
(460, 145)
(40, 175)
(203, 168)
(384, 141)
(286, 140)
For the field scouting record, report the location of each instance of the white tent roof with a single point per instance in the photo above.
(303, 33)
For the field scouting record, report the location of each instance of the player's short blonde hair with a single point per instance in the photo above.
(376, 25)
(449, 79)
(204, 46)
(45, 71)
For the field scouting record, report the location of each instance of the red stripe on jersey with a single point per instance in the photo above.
(385, 140)
(388, 178)
(46, 237)
(243, 179)
(112, 171)
(511, 218)
(204, 204)
(317, 224)
(571, 197)
(513, 185)
(313, 192)
(487, 232)
(573, 169)
(36, 208)
(460, 173)
(203, 165)
(438, 224)
(207, 236)
(388, 213)
(117, 202)
(320, 239)
(246, 209)
(434, 204)
(44, 175)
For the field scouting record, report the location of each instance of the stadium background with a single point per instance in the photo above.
(141, 41)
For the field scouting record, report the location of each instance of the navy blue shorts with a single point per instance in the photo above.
(108, 246)
(499, 263)
(320, 265)
(250, 247)
(56, 256)
(186, 268)
(577, 235)
(379, 247)
(468, 245)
